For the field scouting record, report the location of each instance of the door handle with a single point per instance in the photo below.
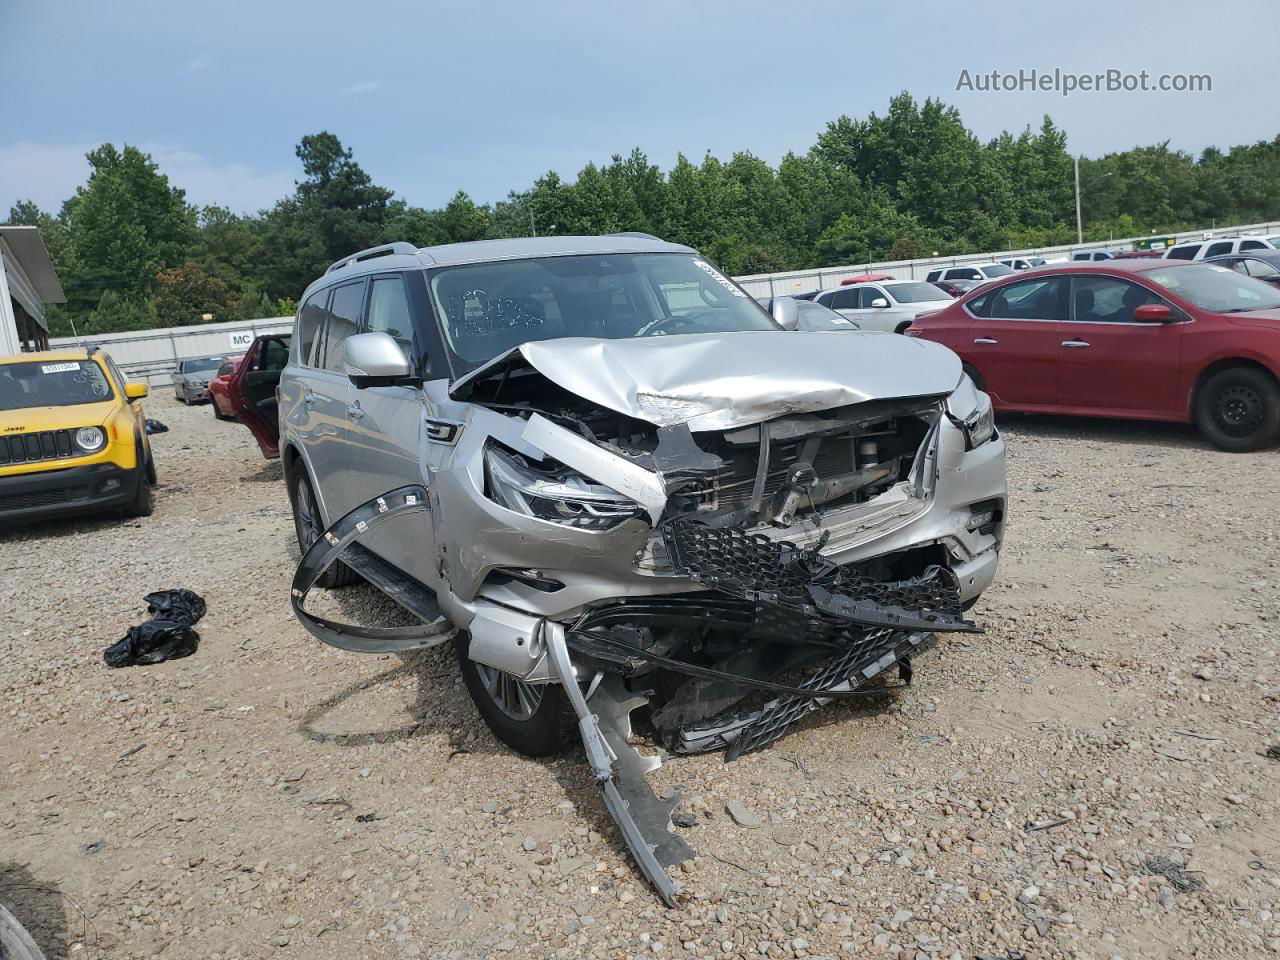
(1074, 343)
(985, 340)
(355, 411)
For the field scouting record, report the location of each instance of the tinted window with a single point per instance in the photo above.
(997, 270)
(343, 319)
(1187, 252)
(1107, 299)
(1217, 249)
(825, 299)
(310, 317)
(933, 275)
(1252, 245)
(963, 273)
(845, 299)
(1080, 256)
(1028, 300)
(273, 355)
(389, 309)
(980, 306)
(225, 369)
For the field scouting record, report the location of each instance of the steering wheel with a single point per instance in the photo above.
(657, 327)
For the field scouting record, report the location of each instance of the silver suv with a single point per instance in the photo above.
(629, 494)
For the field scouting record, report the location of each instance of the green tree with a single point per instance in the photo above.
(125, 226)
(186, 293)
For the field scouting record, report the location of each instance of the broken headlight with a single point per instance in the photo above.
(548, 491)
(970, 410)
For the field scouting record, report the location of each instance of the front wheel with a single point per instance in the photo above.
(1238, 410)
(531, 718)
(308, 525)
(143, 503)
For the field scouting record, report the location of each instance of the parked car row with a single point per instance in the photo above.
(1145, 339)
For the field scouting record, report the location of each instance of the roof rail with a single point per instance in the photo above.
(635, 234)
(387, 249)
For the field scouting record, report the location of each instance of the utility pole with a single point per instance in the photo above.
(1079, 222)
(533, 227)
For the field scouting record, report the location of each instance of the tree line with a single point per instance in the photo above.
(133, 253)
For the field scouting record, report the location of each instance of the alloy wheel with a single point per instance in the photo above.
(515, 698)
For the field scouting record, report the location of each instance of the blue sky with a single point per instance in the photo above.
(485, 96)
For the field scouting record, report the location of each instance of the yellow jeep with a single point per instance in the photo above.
(72, 437)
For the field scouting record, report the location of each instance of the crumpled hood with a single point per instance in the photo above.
(719, 381)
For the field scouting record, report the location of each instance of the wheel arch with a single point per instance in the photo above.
(1216, 367)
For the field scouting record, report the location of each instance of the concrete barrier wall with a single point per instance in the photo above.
(153, 355)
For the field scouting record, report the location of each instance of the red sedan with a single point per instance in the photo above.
(222, 408)
(1144, 339)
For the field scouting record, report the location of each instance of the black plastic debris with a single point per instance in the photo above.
(168, 635)
(155, 426)
(1272, 752)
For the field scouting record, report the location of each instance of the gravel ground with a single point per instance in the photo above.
(1084, 780)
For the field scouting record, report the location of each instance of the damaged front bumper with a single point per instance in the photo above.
(726, 634)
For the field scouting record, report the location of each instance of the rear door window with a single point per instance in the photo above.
(1252, 245)
(1028, 300)
(341, 322)
(846, 299)
(1218, 249)
(1185, 252)
(310, 320)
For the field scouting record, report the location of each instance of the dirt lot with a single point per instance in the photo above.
(1084, 780)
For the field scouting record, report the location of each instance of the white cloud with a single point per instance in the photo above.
(50, 173)
(198, 64)
(363, 86)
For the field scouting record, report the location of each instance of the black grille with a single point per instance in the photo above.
(30, 447)
(29, 501)
(776, 572)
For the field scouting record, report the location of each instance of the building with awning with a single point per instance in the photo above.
(28, 281)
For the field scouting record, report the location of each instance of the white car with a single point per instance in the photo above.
(982, 272)
(1023, 263)
(1202, 249)
(885, 305)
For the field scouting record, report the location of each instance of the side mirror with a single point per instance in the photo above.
(376, 360)
(786, 312)
(1152, 313)
(879, 302)
(136, 390)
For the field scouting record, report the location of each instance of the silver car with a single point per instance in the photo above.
(625, 492)
(191, 379)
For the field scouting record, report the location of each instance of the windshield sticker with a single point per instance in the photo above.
(58, 367)
(718, 277)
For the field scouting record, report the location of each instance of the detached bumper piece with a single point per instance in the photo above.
(809, 587)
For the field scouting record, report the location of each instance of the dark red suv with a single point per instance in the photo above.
(1146, 339)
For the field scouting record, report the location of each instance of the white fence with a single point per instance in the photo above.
(153, 355)
(799, 281)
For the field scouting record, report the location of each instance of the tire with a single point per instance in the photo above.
(308, 525)
(902, 327)
(1238, 410)
(533, 719)
(143, 503)
(217, 411)
(152, 478)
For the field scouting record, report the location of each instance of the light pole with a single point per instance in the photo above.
(1079, 221)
